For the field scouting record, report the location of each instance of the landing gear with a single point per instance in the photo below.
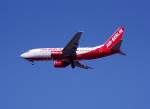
(72, 65)
(32, 62)
(72, 62)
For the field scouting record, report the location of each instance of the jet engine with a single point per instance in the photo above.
(60, 64)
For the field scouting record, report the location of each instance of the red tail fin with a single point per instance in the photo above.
(114, 42)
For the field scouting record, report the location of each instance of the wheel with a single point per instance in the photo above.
(72, 65)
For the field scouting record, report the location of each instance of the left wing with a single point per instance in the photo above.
(70, 49)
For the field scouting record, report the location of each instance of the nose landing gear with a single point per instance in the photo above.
(32, 62)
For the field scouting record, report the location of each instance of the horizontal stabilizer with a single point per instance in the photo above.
(122, 53)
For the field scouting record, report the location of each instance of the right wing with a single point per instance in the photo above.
(77, 64)
(70, 49)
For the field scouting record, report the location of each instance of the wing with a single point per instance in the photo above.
(71, 47)
(77, 64)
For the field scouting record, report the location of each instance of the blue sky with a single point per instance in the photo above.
(116, 82)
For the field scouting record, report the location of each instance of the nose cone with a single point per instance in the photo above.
(24, 55)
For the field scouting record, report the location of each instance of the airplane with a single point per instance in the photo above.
(71, 54)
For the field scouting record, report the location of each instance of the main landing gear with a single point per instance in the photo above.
(72, 65)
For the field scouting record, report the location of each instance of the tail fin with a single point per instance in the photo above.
(114, 42)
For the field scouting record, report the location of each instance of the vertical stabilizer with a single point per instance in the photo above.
(114, 42)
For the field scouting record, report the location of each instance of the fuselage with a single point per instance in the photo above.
(82, 53)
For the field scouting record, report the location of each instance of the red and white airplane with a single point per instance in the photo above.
(71, 54)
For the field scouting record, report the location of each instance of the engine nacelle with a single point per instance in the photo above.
(60, 64)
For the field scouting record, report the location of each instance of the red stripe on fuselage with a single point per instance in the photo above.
(94, 54)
